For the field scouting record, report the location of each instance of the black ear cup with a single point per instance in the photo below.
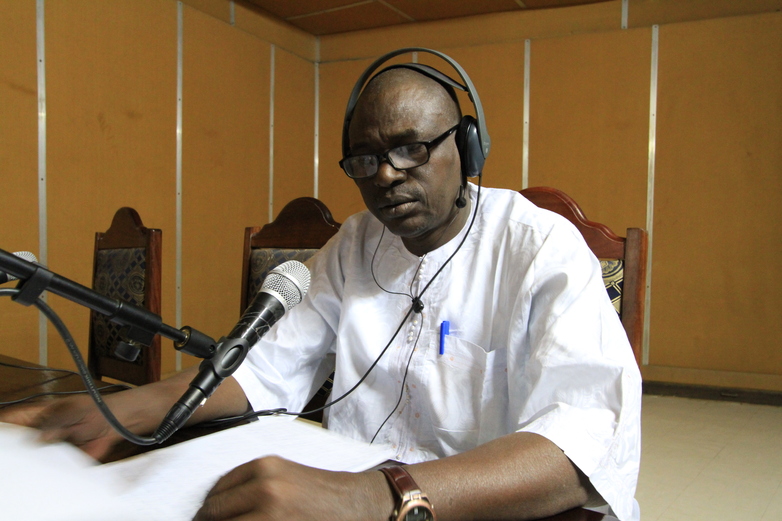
(469, 145)
(472, 137)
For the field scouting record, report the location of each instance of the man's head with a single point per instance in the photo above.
(399, 107)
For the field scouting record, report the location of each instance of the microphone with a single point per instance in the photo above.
(26, 255)
(461, 202)
(284, 287)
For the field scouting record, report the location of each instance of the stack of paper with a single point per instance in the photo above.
(57, 482)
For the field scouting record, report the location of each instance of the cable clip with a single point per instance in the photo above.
(33, 287)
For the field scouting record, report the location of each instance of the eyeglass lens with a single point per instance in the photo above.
(406, 156)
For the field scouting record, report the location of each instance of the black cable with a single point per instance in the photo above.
(404, 379)
(67, 372)
(268, 412)
(89, 384)
(461, 243)
(58, 393)
(30, 368)
(418, 306)
(372, 269)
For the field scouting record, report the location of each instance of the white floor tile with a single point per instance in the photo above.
(710, 460)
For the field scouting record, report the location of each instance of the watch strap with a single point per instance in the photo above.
(405, 489)
(401, 480)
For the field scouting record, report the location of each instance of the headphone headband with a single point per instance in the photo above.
(483, 135)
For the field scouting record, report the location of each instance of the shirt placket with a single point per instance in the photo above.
(407, 413)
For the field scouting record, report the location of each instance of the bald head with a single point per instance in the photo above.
(398, 90)
(400, 76)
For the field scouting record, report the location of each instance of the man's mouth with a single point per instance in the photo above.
(397, 208)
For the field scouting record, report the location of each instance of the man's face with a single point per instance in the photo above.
(418, 203)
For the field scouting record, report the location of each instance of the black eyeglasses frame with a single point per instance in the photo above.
(384, 157)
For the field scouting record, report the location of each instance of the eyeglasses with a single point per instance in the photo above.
(400, 158)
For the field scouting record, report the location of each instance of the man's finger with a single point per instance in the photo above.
(226, 504)
(236, 477)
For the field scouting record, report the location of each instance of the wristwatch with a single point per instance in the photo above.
(411, 503)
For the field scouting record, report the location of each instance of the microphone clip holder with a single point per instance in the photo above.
(32, 288)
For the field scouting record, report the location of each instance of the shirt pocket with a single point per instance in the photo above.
(455, 384)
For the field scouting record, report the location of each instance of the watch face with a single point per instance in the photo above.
(419, 514)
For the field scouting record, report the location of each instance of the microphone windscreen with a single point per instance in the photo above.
(290, 280)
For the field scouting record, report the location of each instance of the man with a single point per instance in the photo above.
(530, 408)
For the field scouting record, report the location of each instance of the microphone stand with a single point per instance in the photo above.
(142, 325)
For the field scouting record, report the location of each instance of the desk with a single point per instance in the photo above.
(18, 383)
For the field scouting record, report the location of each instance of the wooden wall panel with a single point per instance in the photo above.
(717, 245)
(18, 166)
(225, 165)
(111, 79)
(336, 189)
(294, 128)
(589, 122)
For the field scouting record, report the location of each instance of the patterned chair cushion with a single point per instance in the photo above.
(613, 277)
(119, 274)
(263, 260)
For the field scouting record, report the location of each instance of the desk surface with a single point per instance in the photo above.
(17, 383)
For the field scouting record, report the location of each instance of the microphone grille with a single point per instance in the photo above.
(290, 280)
(26, 255)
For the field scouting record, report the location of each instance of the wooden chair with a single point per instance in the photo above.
(303, 226)
(623, 259)
(126, 266)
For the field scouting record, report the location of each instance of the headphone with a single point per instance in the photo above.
(472, 138)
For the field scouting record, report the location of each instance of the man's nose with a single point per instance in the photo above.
(387, 175)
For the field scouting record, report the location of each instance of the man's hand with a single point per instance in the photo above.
(75, 419)
(274, 488)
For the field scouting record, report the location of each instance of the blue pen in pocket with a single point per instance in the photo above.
(445, 329)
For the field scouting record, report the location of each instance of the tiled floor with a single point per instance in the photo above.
(710, 460)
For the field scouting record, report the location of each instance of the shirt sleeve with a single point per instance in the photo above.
(576, 370)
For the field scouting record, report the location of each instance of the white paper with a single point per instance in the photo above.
(52, 482)
(58, 483)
